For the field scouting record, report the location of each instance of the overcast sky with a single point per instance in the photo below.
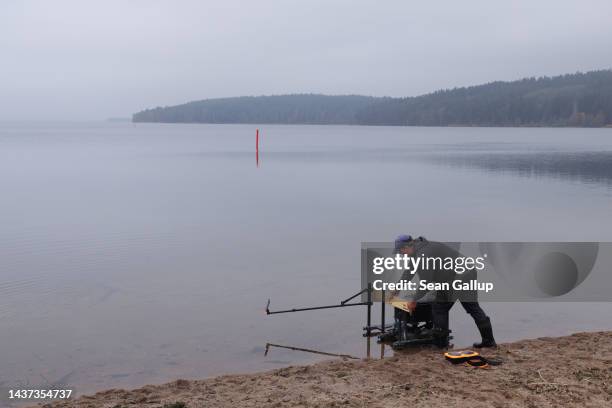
(96, 59)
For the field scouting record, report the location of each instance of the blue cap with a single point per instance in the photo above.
(401, 241)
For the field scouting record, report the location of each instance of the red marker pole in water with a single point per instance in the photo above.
(257, 147)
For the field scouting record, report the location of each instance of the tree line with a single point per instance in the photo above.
(580, 99)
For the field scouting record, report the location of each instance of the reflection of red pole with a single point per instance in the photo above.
(257, 147)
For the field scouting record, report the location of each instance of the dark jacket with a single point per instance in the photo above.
(436, 273)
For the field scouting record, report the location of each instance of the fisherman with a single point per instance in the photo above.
(443, 299)
(408, 324)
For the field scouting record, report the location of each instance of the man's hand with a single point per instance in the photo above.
(411, 306)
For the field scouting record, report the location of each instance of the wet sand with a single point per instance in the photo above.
(571, 371)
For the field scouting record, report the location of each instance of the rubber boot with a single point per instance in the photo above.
(441, 338)
(402, 337)
(392, 335)
(403, 333)
(486, 332)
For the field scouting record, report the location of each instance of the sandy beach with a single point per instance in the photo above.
(571, 371)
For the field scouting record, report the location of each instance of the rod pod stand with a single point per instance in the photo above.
(368, 329)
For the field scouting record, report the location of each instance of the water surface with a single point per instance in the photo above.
(135, 254)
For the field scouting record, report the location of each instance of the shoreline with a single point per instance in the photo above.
(573, 370)
(490, 126)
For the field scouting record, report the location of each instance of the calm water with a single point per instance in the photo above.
(134, 254)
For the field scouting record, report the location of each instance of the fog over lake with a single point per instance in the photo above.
(134, 254)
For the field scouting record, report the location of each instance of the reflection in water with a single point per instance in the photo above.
(585, 167)
(368, 353)
(591, 167)
(323, 353)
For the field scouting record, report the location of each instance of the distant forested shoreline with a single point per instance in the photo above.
(581, 99)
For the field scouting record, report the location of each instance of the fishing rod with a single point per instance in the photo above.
(368, 329)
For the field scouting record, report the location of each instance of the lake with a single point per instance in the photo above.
(135, 254)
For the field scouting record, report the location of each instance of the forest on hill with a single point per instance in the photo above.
(580, 99)
(286, 109)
